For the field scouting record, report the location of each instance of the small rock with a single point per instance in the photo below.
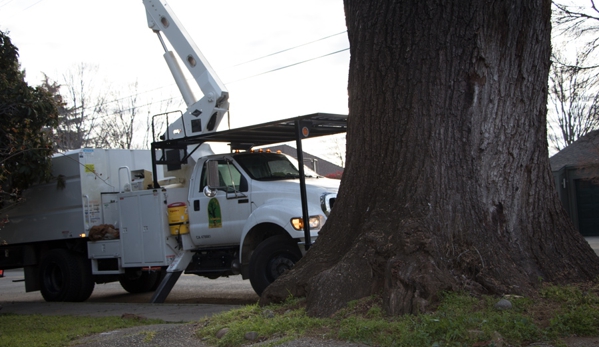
(222, 332)
(503, 304)
(268, 314)
(251, 336)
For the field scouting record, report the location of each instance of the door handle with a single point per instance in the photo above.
(196, 205)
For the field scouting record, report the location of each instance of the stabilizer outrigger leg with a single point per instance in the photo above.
(167, 284)
(173, 273)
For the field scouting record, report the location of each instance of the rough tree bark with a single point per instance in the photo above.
(447, 184)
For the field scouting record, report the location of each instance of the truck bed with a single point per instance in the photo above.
(69, 206)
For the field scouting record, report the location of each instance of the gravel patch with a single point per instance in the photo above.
(181, 335)
(172, 335)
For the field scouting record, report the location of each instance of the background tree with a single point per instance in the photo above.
(447, 184)
(573, 101)
(335, 149)
(579, 22)
(25, 113)
(573, 79)
(101, 117)
(116, 124)
(83, 102)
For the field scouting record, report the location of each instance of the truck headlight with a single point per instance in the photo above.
(316, 222)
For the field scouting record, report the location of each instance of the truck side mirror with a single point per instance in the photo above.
(212, 171)
(212, 178)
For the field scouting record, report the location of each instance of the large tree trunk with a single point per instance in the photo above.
(447, 184)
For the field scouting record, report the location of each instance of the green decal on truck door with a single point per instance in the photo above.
(214, 217)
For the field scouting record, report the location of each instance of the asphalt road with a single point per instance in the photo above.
(192, 298)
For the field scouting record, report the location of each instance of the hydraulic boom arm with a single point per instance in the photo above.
(204, 115)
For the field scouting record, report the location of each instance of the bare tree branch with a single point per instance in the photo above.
(573, 103)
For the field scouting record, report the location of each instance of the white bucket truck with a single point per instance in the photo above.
(143, 217)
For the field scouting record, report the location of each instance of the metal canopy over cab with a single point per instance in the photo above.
(174, 152)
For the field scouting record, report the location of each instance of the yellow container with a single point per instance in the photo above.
(179, 229)
(178, 219)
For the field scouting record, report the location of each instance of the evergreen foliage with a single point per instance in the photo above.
(27, 116)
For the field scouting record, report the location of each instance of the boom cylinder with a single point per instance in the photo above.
(184, 88)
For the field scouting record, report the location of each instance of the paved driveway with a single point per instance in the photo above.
(192, 298)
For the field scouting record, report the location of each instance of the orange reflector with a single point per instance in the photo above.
(305, 131)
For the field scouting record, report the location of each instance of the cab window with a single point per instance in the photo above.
(229, 178)
(267, 166)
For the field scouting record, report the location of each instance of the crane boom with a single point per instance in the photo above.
(203, 115)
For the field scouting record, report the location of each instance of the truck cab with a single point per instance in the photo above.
(255, 197)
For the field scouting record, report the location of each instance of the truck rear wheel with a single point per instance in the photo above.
(271, 259)
(141, 282)
(63, 276)
(87, 283)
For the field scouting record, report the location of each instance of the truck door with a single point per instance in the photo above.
(219, 220)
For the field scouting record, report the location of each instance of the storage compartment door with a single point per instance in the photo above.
(130, 230)
(152, 228)
(142, 228)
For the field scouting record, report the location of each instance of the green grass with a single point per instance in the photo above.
(50, 331)
(288, 322)
(460, 320)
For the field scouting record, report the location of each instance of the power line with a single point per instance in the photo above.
(23, 10)
(245, 78)
(287, 66)
(128, 109)
(6, 3)
(28, 7)
(291, 48)
(252, 60)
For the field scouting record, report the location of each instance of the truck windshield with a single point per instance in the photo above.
(267, 166)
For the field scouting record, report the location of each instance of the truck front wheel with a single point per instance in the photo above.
(63, 276)
(271, 259)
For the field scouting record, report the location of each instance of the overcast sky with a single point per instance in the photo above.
(54, 36)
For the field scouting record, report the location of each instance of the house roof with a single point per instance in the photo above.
(583, 152)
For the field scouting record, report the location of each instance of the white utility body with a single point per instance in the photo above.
(143, 217)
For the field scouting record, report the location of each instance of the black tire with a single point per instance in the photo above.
(140, 282)
(87, 278)
(271, 259)
(61, 277)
